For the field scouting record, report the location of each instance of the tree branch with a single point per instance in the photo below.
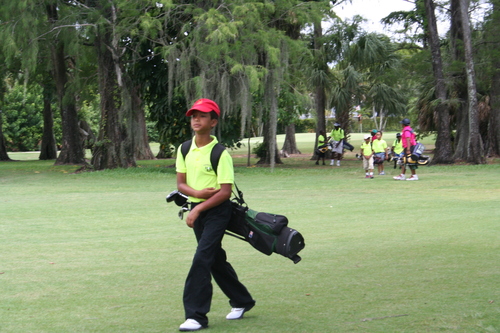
(61, 27)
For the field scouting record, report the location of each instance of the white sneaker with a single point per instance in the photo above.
(413, 177)
(236, 313)
(338, 163)
(382, 173)
(331, 163)
(190, 325)
(400, 177)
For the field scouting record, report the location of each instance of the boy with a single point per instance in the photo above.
(322, 141)
(380, 150)
(367, 156)
(408, 140)
(337, 135)
(397, 146)
(209, 193)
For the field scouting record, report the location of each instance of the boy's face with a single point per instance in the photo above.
(378, 136)
(202, 123)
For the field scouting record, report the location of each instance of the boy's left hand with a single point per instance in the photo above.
(207, 193)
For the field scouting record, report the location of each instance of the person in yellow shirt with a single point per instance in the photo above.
(367, 156)
(397, 146)
(209, 192)
(397, 150)
(380, 150)
(322, 141)
(337, 136)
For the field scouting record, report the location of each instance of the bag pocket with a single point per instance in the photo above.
(271, 223)
(261, 241)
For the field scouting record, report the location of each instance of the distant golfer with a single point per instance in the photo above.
(367, 156)
(409, 141)
(322, 146)
(337, 135)
(380, 152)
(209, 192)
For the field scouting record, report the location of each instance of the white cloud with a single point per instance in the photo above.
(373, 11)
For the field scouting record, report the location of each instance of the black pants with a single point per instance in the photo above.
(210, 260)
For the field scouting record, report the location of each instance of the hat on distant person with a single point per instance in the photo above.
(398, 135)
(204, 105)
(373, 131)
(405, 122)
(336, 124)
(367, 136)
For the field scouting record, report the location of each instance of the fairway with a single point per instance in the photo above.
(104, 252)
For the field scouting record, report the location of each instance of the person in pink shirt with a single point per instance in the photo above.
(408, 140)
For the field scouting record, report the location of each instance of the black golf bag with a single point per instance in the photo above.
(266, 232)
(348, 146)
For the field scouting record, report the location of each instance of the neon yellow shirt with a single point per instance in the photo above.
(379, 146)
(366, 148)
(337, 135)
(321, 138)
(398, 146)
(198, 169)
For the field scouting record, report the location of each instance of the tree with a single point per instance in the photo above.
(492, 36)
(23, 116)
(474, 152)
(28, 25)
(443, 151)
(4, 156)
(291, 105)
(71, 148)
(48, 148)
(320, 80)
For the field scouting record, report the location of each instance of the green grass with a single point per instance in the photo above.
(103, 252)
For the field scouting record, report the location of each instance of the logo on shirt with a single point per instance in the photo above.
(208, 168)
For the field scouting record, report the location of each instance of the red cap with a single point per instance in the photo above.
(204, 105)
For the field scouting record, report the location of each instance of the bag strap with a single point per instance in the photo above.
(238, 195)
(215, 154)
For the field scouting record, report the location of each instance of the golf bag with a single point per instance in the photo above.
(322, 149)
(266, 232)
(347, 145)
(416, 156)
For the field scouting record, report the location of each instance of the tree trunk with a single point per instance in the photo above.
(3, 150)
(475, 151)
(344, 119)
(290, 144)
(374, 118)
(320, 91)
(114, 145)
(48, 148)
(266, 139)
(494, 119)
(443, 151)
(459, 82)
(142, 150)
(72, 150)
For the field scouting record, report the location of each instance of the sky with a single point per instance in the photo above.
(373, 11)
